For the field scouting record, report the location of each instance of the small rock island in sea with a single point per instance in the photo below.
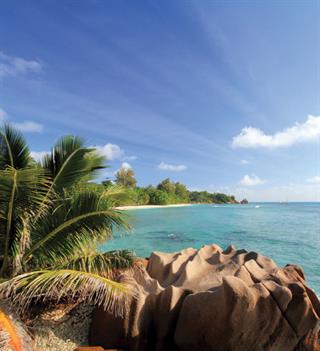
(213, 300)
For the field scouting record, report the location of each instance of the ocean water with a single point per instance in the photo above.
(288, 233)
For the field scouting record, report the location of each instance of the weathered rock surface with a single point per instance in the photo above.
(214, 300)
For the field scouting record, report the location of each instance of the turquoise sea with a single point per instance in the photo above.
(288, 233)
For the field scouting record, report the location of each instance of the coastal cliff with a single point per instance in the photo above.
(214, 300)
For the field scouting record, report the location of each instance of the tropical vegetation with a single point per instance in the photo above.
(52, 219)
(166, 192)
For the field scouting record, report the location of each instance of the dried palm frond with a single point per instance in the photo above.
(104, 263)
(76, 286)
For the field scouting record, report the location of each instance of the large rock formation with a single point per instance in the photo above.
(214, 300)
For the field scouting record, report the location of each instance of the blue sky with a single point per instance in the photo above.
(215, 94)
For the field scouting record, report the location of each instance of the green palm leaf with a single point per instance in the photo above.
(51, 221)
(57, 285)
(22, 191)
(103, 263)
(115, 194)
(14, 151)
(69, 161)
(79, 218)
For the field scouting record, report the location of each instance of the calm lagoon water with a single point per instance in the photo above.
(287, 233)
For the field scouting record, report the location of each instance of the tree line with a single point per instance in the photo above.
(166, 192)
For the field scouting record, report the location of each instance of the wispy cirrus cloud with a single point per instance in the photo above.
(244, 162)
(29, 126)
(170, 167)
(26, 126)
(12, 66)
(129, 158)
(314, 180)
(251, 180)
(251, 137)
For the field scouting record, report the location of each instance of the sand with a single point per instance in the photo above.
(140, 207)
(61, 329)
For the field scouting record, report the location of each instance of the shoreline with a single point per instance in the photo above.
(143, 207)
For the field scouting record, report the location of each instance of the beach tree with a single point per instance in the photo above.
(181, 192)
(168, 186)
(126, 177)
(158, 197)
(142, 196)
(51, 221)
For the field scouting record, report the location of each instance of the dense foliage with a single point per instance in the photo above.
(51, 220)
(166, 192)
(125, 177)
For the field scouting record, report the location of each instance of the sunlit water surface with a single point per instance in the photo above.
(288, 233)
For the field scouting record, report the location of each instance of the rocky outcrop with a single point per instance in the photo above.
(214, 300)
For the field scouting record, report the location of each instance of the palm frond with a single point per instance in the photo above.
(57, 285)
(21, 243)
(69, 161)
(51, 218)
(14, 151)
(79, 218)
(9, 220)
(22, 191)
(103, 263)
(115, 194)
(32, 185)
(64, 246)
(76, 225)
(114, 191)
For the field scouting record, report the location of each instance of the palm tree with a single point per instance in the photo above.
(51, 221)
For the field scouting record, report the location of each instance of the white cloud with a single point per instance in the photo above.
(174, 168)
(252, 180)
(113, 152)
(3, 114)
(29, 126)
(38, 155)
(301, 132)
(110, 151)
(129, 158)
(244, 162)
(125, 165)
(11, 66)
(314, 180)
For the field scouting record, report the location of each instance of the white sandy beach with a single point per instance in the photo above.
(139, 207)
